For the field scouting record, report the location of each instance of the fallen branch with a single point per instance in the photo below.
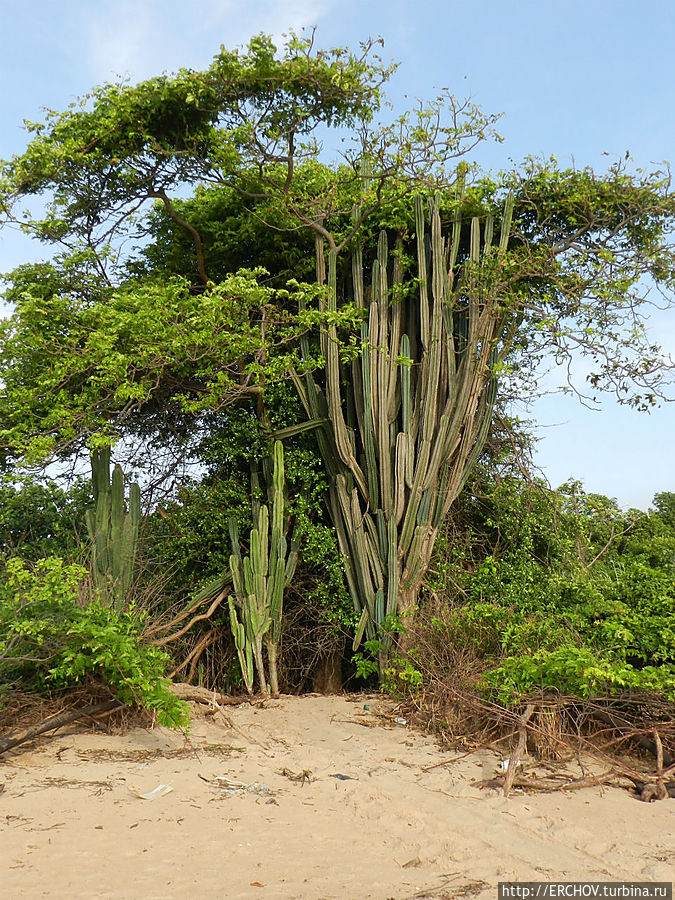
(197, 694)
(519, 751)
(57, 721)
(159, 642)
(552, 783)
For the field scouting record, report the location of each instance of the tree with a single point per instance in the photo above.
(41, 519)
(433, 292)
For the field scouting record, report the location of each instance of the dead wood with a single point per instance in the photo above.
(655, 791)
(627, 730)
(548, 784)
(519, 751)
(160, 642)
(192, 659)
(655, 787)
(198, 694)
(57, 721)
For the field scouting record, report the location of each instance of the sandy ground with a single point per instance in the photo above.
(365, 821)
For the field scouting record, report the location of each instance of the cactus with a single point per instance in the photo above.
(113, 530)
(243, 646)
(259, 581)
(424, 391)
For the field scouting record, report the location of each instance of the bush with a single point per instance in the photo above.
(38, 518)
(556, 591)
(51, 642)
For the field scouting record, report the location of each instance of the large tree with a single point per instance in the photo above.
(430, 289)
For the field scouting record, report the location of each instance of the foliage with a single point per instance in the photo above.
(237, 232)
(77, 372)
(249, 122)
(366, 660)
(38, 518)
(188, 536)
(51, 642)
(560, 591)
(664, 503)
(320, 576)
(397, 351)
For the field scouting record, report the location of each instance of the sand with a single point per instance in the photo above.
(363, 819)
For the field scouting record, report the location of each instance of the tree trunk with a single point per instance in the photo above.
(272, 653)
(328, 674)
(259, 664)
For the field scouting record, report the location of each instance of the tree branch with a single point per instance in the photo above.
(199, 249)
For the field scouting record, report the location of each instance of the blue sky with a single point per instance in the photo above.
(584, 80)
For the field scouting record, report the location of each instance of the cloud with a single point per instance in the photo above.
(236, 26)
(121, 40)
(139, 39)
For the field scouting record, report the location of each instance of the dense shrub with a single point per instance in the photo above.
(38, 518)
(50, 641)
(556, 591)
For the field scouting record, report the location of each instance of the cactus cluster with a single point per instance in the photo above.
(259, 580)
(409, 421)
(113, 530)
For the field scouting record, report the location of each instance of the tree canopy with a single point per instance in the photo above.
(209, 253)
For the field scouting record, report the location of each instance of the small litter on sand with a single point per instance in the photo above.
(160, 791)
(230, 788)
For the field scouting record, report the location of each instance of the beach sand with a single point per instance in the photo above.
(366, 817)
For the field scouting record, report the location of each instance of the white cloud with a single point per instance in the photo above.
(141, 39)
(121, 39)
(235, 25)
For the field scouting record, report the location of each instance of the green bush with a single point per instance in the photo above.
(38, 518)
(560, 591)
(50, 641)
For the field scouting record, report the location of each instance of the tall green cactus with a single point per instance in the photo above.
(113, 529)
(259, 580)
(424, 389)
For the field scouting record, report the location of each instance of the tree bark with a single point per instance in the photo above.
(328, 674)
(272, 652)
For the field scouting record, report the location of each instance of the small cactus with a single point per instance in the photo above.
(259, 580)
(113, 530)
